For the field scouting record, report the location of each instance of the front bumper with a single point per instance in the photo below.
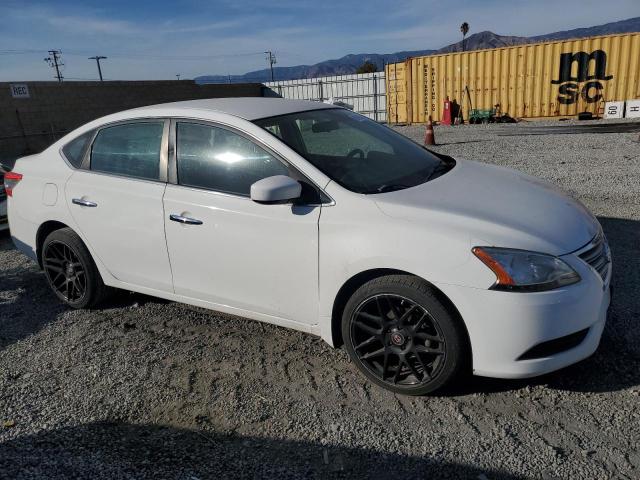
(504, 326)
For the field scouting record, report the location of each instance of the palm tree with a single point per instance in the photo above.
(464, 28)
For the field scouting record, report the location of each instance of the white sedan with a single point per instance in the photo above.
(316, 218)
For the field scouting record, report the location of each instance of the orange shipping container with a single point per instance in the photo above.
(536, 80)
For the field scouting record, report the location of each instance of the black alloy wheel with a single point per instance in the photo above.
(397, 340)
(71, 272)
(399, 333)
(65, 271)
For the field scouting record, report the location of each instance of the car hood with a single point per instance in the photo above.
(495, 206)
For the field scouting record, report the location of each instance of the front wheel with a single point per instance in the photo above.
(402, 337)
(70, 270)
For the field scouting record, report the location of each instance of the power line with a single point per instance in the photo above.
(167, 57)
(97, 58)
(135, 55)
(21, 52)
(55, 61)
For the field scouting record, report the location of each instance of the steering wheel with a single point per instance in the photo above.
(354, 152)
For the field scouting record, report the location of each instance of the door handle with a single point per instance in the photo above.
(83, 203)
(185, 220)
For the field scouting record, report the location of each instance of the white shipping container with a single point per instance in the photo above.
(633, 109)
(614, 110)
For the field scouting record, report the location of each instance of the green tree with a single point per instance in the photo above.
(367, 67)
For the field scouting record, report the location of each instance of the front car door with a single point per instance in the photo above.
(234, 252)
(116, 200)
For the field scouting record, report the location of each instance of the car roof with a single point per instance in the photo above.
(249, 108)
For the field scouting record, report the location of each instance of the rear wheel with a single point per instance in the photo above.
(70, 270)
(402, 337)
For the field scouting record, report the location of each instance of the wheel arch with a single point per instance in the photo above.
(359, 279)
(44, 230)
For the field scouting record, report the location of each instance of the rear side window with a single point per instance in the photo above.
(132, 150)
(74, 150)
(218, 159)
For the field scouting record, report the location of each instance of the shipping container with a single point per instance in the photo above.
(547, 79)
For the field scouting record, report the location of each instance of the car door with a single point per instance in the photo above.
(233, 251)
(116, 201)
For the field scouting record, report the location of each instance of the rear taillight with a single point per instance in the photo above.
(11, 179)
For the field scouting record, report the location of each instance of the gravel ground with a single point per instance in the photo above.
(150, 389)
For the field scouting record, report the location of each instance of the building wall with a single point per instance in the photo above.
(366, 91)
(54, 109)
(536, 80)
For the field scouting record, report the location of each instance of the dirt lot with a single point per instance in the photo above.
(149, 389)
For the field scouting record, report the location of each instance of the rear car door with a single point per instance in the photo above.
(116, 200)
(233, 251)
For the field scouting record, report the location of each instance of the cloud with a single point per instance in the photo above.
(92, 25)
(170, 27)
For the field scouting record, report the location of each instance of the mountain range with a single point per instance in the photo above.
(478, 41)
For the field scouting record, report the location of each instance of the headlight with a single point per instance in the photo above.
(524, 271)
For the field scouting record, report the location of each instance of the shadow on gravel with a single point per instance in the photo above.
(614, 366)
(5, 241)
(113, 450)
(124, 299)
(574, 129)
(26, 304)
(30, 304)
(440, 144)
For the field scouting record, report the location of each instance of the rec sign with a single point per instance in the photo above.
(19, 90)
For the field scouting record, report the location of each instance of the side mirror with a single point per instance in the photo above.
(278, 188)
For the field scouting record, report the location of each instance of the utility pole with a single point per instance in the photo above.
(97, 58)
(55, 61)
(271, 58)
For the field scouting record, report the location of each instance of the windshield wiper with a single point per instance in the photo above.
(441, 169)
(390, 188)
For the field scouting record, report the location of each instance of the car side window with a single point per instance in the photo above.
(74, 150)
(131, 149)
(218, 159)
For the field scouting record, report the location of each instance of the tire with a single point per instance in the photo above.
(71, 272)
(415, 347)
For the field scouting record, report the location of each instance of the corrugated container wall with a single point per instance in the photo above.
(526, 81)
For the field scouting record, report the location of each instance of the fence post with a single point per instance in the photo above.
(375, 97)
(320, 90)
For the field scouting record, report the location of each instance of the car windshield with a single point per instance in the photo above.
(356, 152)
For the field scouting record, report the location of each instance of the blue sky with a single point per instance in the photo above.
(158, 39)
